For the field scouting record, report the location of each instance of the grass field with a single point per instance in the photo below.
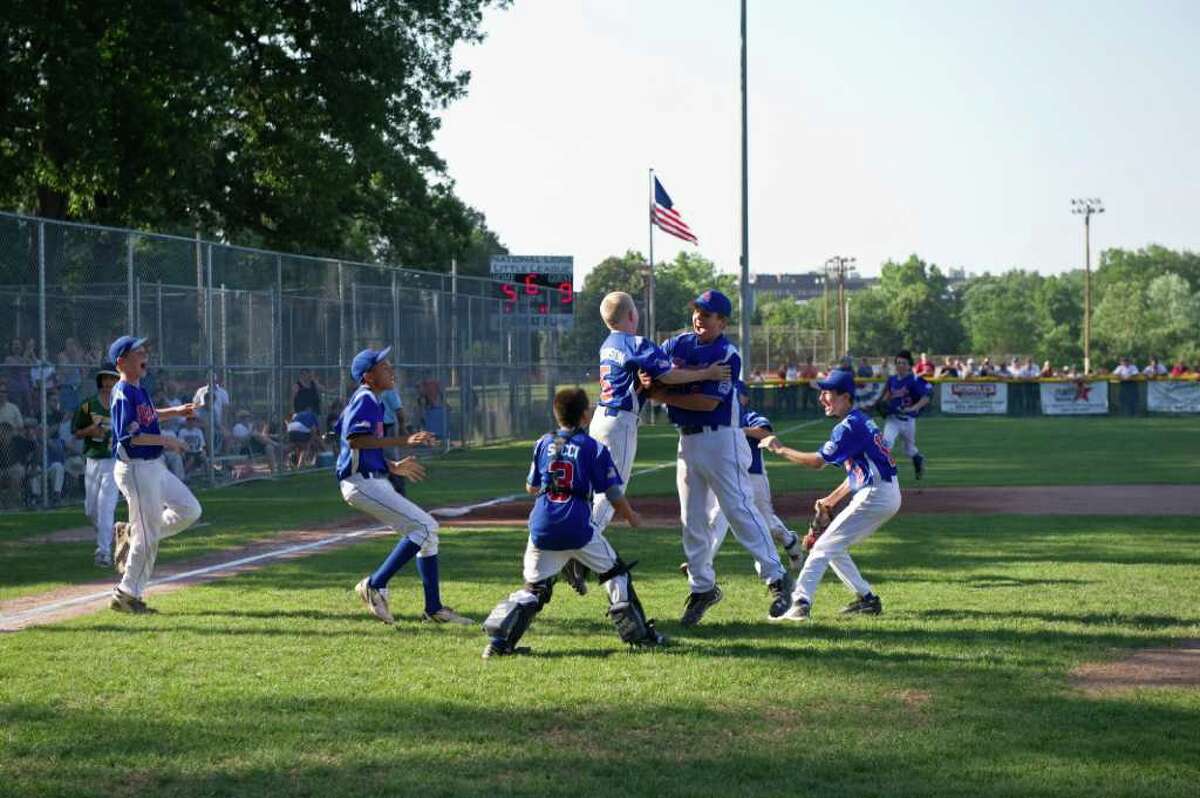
(276, 682)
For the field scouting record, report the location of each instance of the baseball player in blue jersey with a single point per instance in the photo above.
(569, 467)
(362, 471)
(622, 355)
(857, 445)
(756, 427)
(713, 456)
(905, 395)
(160, 505)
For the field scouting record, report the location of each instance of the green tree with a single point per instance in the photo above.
(923, 309)
(872, 331)
(295, 126)
(1000, 314)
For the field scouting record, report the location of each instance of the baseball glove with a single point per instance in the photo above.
(816, 527)
(883, 409)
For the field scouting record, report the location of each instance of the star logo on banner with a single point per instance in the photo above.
(1082, 391)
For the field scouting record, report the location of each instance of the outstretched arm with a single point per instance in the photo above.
(810, 459)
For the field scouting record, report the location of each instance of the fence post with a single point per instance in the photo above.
(210, 396)
(131, 304)
(277, 340)
(42, 366)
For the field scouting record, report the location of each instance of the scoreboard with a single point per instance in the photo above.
(536, 285)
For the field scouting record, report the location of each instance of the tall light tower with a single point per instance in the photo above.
(1085, 208)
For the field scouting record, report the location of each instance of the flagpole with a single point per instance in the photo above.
(650, 331)
(746, 299)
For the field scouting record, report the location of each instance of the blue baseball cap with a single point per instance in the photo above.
(366, 360)
(714, 301)
(840, 380)
(123, 346)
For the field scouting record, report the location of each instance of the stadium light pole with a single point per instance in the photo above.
(747, 302)
(1085, 208)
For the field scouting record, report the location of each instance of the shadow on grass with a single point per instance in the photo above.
(421, 745)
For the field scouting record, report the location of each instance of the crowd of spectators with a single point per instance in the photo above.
(244, 439)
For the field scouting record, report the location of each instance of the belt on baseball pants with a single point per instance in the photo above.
(612, 412)
(372, 475)
(694, 429)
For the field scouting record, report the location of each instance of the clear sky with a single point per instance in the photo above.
(956, 130)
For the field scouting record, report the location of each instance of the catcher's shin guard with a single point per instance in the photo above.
(628, 617)
(507, 622)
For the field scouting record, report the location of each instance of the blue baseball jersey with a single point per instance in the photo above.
(133, 414)
(751, 419)
(568, 466)
(621, 355)
(362, 416)
(857, 445)
(904, 392)
(686, 351)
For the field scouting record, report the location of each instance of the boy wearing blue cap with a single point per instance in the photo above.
(160, 505)
(362, 470)
(858, 446)
(713, 456)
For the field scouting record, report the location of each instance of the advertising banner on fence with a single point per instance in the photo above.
(1077, 398)
(1173, 397)
(974, 398)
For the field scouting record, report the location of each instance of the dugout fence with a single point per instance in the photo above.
(253, 329)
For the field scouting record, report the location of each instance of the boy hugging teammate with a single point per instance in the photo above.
(622, 355)
(568, 468)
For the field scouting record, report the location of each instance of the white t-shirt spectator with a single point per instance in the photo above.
(1155, 370)
(1125, 371)
(792, 374)
(219, 403)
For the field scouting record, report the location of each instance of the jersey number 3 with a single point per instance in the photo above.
(562, 473)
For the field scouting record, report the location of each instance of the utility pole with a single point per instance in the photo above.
(839, 265)
(1085, 208)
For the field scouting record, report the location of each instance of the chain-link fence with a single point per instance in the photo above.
(264, 337)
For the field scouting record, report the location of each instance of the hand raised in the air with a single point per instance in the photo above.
(720, 372)
(409, 468)
(422, 438)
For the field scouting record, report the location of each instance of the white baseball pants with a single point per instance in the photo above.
(719, 526)
(619, 434)
(160, 506)
(598, 555)
(717, 461)
(100, 499)
(868, 510)
(377, 498)
(903, 428)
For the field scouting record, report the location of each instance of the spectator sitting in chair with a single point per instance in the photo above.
(192, 434)
(303, 438)
(56, 463)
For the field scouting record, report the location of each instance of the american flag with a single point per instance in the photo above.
(664, 215)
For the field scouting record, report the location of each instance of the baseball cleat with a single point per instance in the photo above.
(799, 611)
(376, 600)
(446, 615)
(919, 465)
(103, 560)
(699, 603)
(494, 649)
(123, 602)
(575, 574)
(864, 605)
(122, 533)
(683, 569)
(781, 595)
